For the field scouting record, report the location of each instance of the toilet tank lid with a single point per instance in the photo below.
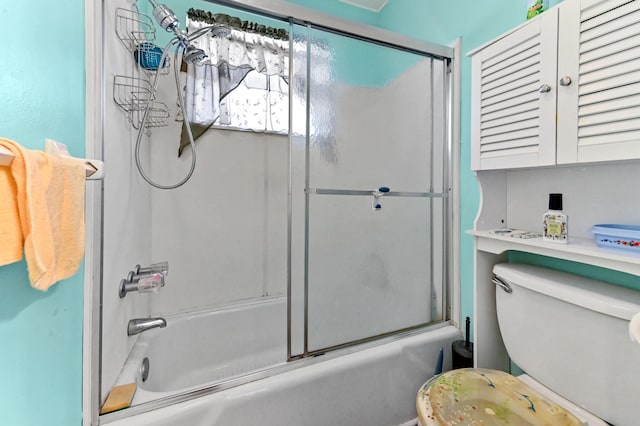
(591, 294)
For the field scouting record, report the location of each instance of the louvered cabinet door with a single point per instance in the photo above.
(514, 98)
(608, 90)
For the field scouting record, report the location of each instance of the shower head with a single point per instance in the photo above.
(193, 55)
(216, 30)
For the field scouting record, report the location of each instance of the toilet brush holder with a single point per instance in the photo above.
(462, 350)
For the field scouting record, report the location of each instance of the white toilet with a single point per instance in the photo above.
(571, 336)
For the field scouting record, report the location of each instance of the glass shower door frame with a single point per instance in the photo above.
(445, 308)
(295, 14)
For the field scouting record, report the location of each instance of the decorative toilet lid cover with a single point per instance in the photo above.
(475, 396)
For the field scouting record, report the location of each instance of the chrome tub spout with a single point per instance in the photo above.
(138, 325)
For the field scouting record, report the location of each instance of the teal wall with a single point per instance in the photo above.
(42, 90)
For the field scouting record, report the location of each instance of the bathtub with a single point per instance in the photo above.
(216, 345)
(195, 379)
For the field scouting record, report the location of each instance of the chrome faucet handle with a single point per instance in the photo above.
(143, 284)
(155, 267)
(150, 283)
(142, 281)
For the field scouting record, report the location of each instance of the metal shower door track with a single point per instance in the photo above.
(301, 15)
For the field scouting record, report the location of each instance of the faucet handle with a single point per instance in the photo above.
(155, 267)
(142, 283)
(151, 283)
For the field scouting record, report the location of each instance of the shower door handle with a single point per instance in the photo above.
(351, 192)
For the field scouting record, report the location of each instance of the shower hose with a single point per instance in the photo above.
(154, 88)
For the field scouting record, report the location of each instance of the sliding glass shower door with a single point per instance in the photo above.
(369, 190)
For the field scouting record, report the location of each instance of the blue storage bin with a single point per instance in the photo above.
(625, 237)
(148, 55)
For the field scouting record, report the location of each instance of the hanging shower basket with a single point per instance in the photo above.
(137, 33)
(133, 95)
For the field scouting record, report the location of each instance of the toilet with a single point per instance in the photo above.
(571, 337)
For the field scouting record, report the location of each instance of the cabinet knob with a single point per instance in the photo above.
(545, 88)
(565, 81)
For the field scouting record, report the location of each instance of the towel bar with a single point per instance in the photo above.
(94, 168)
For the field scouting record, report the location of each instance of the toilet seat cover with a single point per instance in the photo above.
(475, 396)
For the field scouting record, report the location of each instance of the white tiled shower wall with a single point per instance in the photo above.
(127, 230)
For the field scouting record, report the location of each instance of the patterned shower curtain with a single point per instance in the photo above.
(253, 59)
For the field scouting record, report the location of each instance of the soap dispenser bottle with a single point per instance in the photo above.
(555, 221)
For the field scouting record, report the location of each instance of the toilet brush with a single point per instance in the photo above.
(462, 350)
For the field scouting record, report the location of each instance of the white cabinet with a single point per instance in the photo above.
(562, 88)
(607, 93)
(585, 56)
(513, 102)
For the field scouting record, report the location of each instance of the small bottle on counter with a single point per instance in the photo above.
(555, 221)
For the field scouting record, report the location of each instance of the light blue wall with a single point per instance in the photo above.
(42, 96)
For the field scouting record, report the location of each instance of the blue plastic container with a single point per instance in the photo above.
(148, 55)
(625, 237)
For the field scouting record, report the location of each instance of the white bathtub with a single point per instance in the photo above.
(206, 347)
(373, 386)
(216, 345)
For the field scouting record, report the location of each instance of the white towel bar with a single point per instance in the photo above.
(94, 168)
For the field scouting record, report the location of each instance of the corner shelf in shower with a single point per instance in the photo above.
(133, 95)
(582, 250)
(135, 29)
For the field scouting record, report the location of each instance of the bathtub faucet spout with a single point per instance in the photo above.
(138, 325)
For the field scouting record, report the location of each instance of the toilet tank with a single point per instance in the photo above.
(571, 334)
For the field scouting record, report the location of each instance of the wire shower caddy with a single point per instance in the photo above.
(133, 93)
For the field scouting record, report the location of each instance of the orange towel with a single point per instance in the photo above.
(47, 214)
(10, 229)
